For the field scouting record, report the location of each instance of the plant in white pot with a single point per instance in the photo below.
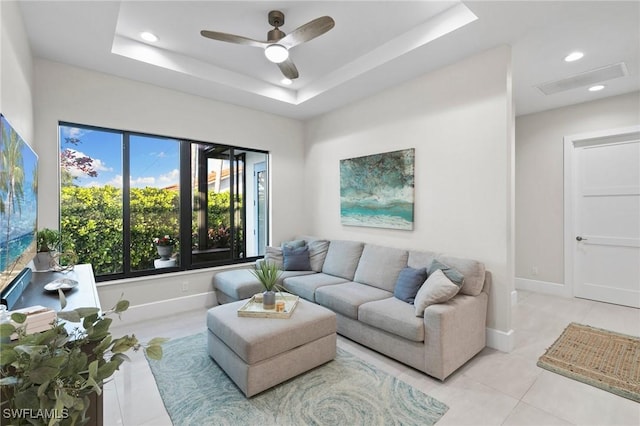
(268, 273)
(48, 242)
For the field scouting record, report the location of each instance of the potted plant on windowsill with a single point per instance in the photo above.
(48, 242)
(268, 273)
(164, 246)
(49, 377)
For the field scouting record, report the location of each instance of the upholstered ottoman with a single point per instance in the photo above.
(258, 353)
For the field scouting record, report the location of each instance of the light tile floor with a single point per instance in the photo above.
(494, 388)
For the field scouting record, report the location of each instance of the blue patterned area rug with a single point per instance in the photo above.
(345, 391)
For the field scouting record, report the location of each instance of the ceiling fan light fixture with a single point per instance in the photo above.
(276, 53)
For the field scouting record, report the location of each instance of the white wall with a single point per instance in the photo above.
(16, 71)
(460, 122)
(67, 93)
(540, 180)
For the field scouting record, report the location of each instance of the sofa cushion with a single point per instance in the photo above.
(274, 254)
(317, 254)
(456, 277)
(437, 289)
(420, 259)
(472, 270)
(241, 284)
(342, 258)
(380, 266)
(346, 298)
(237, 284)
(296, 258)
(393, 315)
(305, 286)
(409, 282)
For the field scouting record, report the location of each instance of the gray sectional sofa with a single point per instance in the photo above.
(357, 281)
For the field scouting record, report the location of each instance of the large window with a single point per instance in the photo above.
(121, 191)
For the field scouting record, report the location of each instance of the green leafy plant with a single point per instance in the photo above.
(48, 239)
(55, 371)
(267, 273)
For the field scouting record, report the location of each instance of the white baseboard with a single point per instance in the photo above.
(500, 340)
(154, 310)
(545, 287)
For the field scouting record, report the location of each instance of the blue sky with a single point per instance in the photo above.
(154, 161)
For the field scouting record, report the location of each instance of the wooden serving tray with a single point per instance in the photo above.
(255, 309)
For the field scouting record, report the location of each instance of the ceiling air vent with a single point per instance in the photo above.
(584, 79)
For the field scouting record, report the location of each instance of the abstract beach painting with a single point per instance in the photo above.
(377, 190)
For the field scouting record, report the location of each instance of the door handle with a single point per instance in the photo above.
(579, 238)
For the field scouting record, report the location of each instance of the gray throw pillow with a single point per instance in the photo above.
(293, 243)
(456, 277)
(296, 259)
(437, 289)
(409, 282)
(274, 255)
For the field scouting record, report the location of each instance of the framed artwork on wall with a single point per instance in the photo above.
(377, 190)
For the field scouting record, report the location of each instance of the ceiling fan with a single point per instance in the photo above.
(277, 46)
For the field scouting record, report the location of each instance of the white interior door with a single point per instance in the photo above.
(606, 244)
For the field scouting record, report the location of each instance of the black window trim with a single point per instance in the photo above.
(185, 263)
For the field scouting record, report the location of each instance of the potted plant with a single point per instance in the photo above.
(49, 377)
(48, 241)
(164, 246)
(268, 274)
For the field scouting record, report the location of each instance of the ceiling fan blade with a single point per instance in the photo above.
(307, 32)
(231, 38)
(288, 69)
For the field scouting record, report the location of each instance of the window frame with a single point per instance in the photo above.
(185, 262)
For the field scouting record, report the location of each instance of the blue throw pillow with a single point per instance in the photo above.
(456, 277)
(408, 283)
(296, 259)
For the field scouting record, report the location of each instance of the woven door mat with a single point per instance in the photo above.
(600, 358)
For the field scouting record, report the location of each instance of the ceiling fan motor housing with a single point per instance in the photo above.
(275, 35)
(276, 18)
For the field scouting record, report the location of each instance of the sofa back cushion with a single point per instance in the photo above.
(473, 271)
(380, 266)
(317, 254)
(342, 258)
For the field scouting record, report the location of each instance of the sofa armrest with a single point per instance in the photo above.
(454, 332)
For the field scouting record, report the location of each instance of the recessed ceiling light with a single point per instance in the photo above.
(596, 88)
(147, 36)
(286, 81)
(573, 56)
